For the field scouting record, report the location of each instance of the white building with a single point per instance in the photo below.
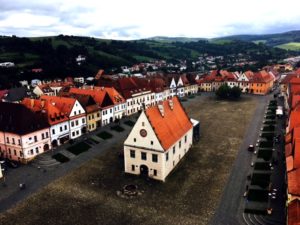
(161, 137)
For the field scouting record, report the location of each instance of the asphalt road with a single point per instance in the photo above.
(231, 205)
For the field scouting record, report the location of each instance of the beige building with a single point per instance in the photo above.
(161, 137)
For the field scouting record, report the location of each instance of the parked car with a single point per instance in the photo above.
(251, 148)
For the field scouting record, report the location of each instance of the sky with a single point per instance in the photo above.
(136, 19)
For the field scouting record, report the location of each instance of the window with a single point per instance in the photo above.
(7, 140)
(19, 142)
(37, 150)
(66, 127)
(31, 152)
(43, 136)
(72, 124)
(132, 167)
(79, 111)
(185, 139)
(155, 172)
(76, 122)
(77, 132)
(179, 144)
(143, 155)
(83, 120)
(132, 154)
(110, 110)
(73, 134)
(98, 114)
(13, 140)
(15, 152)
(53, 131)
(47, 135)
(35, 138)
(151, 142)
(174, 150)
(61, 129)
(134, 139)
(75, 113)
(154, 158)
(167, 156)
(143, 124)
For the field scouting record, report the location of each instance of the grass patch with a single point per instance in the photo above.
(258, 195)
(265, 154)
(270, 117)
(79, 148)
(271, 122)
(129, 123)
(269, 128)
(268, 135)
(117, 128)
(294, 46)
(262, 166)
(266, 144)
(104, 135)
(60, 158)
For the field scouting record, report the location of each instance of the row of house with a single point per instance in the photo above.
(75, 111)
(290, 89)
(259, 83)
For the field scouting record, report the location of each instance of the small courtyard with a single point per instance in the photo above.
(190, 195)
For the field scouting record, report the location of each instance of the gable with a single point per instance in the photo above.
(76, 107)
(173, 83)
(180, 82)
(243, 77)
(143, 142)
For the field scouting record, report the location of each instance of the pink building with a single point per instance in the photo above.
(23, 133)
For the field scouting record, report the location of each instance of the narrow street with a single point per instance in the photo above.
(231, 207)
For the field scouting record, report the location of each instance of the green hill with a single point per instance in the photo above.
(294, 46)
(57, 54)
(268, 39)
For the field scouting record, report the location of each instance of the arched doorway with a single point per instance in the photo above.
(46, 147)
(54, 143)
(144, 171)
(111, 119)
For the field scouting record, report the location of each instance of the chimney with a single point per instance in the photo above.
(171, 104)
(161, 109)
(31, 102)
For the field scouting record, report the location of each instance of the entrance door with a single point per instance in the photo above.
(144, 171)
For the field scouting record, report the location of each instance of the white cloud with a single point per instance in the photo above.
(144, 18)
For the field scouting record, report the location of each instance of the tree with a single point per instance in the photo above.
(223, 91)
(235, 92)
(226, 92)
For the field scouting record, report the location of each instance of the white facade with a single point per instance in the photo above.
(77, 120)
(59, 131)
(142, 152)
(135, 103)
(107, 115)
(119, 111)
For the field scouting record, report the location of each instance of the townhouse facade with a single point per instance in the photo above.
(22, 139)
(161, 137)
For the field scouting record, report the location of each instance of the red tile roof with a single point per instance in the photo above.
(172, 126)
(289, 163)
(288, 149)
(65, 105)
(293, 182)
(294, 119)
(294, 212)
(53, 114)
(297, 153)
(295, 100)
(100, 95)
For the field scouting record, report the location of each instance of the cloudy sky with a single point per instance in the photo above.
(134, 19)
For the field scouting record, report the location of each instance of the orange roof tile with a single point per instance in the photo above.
(289, 163)
(293, 211)
(172, 126)
(65, 105)
(53, 114)
(295, 100)
(294, 119)
(297, 153)
(293, 182)
(288, 150)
